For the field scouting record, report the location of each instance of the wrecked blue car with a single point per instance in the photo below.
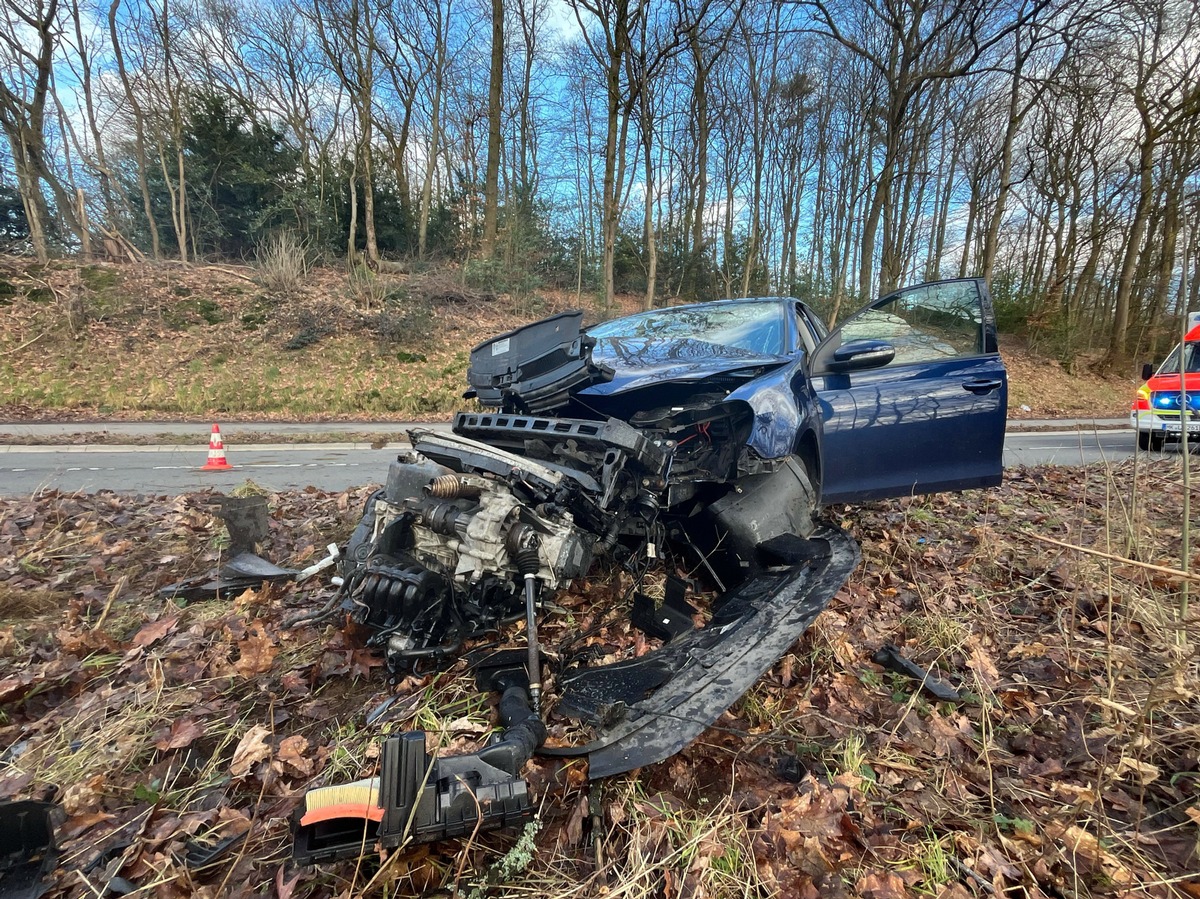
(701, 438)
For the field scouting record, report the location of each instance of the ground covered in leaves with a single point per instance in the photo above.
(169, 341)
(1070, 769)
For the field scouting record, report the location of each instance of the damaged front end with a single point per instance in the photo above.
(474, 526)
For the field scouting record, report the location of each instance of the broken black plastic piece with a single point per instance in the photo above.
(667, 620)
(890, 658)
(535, 368)
(245, 571)
(791, 769)
(27, 848)
(499, 670)
(673, 693)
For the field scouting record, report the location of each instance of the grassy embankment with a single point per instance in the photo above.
(120, 341)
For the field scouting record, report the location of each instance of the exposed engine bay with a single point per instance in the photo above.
(477, 527)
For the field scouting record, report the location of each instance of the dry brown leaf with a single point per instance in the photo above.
(81, 823)
(1085, 847)
(184, 732)
(881, 885)
(954, 890)
(285, 888)
(1143, 772)
(573, 829)
(251, 750)
(257, 652)
(80, 797)
(981, 663)
(294, 757)
(12, 687)
(154, 630)
(85, 642)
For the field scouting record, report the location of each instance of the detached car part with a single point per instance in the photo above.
(889, 656)
(693, 435)
(422, 798)
(28, 850)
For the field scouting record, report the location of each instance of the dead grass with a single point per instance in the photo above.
(284, 342)
(17, 605)
(283, 264)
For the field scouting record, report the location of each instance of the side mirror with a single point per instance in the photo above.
(860, 354)
(1147, 371)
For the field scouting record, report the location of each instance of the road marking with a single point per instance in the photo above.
(101, 448)
(234, 468)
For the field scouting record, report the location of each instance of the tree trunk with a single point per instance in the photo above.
(700, 99)
(352, 240)
(491, 178)
(1114, 359)
(647, 129)
(368, 183)
(435, 125)
(1012, 124)
(34, 204)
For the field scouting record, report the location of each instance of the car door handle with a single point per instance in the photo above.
(982, 385)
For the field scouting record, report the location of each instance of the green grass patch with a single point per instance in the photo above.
(99, 278)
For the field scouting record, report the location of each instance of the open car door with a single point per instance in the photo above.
(913, 395)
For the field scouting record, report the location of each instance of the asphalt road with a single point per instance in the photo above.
(336, 466)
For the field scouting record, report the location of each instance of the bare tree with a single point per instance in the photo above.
(347, 33)
(139, 130)
(1158, 64)
(491, 182)
(912, 46)
(24, 90)
(615, 20)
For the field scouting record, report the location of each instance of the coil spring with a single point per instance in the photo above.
(443, 487)
(450, 486)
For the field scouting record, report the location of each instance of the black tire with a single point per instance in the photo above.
(1157, 441)
(1143, 440)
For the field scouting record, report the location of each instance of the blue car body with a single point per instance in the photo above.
(869, 418)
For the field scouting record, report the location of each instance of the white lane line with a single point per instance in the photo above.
(101, 448)
(197, 468)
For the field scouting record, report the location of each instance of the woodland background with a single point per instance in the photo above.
(830, 150)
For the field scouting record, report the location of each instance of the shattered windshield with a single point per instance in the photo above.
(752, 327)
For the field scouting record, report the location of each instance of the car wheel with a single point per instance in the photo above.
(1143, 440)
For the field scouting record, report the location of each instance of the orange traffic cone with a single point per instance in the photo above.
(216, 453)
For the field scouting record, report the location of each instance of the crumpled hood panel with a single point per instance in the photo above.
(642, 362)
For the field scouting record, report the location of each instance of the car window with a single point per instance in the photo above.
(924, 324)
(1191, 360)
(754, 327)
